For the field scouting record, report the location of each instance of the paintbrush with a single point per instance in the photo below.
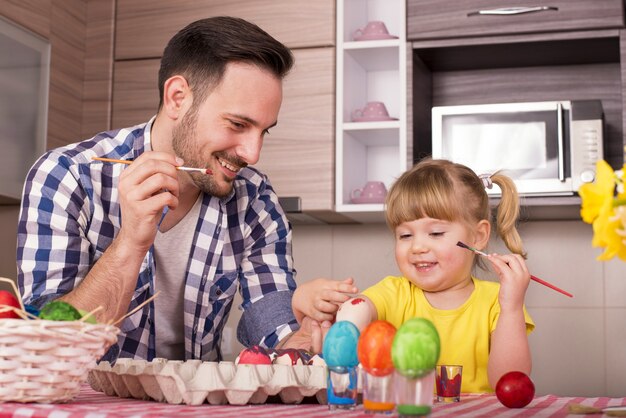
(111, 160)
(535, 278)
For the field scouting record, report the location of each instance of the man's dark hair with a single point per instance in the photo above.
(200, 52)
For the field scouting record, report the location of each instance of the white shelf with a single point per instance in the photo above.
(372, 128)
(369, 71)
(380, 43)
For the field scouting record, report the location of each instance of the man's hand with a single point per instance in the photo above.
(146, 186)
(309, 337)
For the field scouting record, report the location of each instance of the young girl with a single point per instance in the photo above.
(482, 325)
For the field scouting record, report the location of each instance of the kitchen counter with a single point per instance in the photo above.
(95, 404)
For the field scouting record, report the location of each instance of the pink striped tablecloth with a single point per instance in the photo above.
(91, 404)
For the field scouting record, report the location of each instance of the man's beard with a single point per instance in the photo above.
(183, 142)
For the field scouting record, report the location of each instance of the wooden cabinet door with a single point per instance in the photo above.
(297, 155)
(145, 26)
(135, 92)
(428, 19)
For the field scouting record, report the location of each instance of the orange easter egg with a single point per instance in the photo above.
(374, 348)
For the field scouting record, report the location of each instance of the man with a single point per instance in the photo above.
(110, 235)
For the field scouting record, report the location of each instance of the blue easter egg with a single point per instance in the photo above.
(339, 348)
(31, 310)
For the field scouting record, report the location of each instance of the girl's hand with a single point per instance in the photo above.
(320, 298)
(514, 279)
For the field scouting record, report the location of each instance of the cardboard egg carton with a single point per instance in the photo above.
(194, 382)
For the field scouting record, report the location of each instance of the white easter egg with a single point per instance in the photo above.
(355, 310)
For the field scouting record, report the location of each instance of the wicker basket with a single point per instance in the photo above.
(47, 361)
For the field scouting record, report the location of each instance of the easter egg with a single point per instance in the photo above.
(57, 310)
(9, 301)
(288, 356)
(355, 310)
(374, 348)
(317, 360)
(339, 349)
(33, 310)
(253, 355)
(415, 348)
(515, 390)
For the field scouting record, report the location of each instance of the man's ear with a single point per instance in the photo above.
(177, 97)
(481, 234)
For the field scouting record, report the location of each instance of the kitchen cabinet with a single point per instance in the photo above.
(428, 19)
(298, 155)
(529, 58)
(371, 113)
(135, 92)
(143, 27)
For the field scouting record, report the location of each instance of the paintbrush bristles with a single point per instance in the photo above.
(463, 245)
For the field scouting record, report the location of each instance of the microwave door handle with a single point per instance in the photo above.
(559, 124)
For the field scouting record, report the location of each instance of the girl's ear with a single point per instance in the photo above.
(177, 97)
(481, 234)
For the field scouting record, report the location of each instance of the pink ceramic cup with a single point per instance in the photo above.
(373, 29)
(371, 190)
(372, 110)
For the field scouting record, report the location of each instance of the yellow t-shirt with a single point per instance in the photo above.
(464, 332)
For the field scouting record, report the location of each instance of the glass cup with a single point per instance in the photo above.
(414, 396)
(449, 383)
(378, 393)
(341, 388)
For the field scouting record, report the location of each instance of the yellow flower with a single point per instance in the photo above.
(615, 236)
(607, 214)
(599, 194)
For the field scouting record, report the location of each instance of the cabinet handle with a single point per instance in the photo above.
(512, 10)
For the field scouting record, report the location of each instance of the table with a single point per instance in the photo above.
(91, 404)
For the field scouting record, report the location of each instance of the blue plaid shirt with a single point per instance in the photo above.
(70, 214)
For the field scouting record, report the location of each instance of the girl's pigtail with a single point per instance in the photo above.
(508, 214)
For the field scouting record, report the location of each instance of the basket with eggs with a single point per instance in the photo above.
(46, 355)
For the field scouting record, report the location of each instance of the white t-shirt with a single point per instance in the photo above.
(171, 253)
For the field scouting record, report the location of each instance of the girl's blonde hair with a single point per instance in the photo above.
(441, 189)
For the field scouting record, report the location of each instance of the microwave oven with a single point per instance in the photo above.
(547, 148)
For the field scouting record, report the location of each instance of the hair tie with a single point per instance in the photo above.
(486, 179)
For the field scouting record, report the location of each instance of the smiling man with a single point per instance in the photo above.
(110, 235)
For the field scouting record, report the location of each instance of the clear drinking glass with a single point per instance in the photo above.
(414, 396)
(341, 388)
(378, 393)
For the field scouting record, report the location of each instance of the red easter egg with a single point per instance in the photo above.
(374, 348)
(7, 299)
(515, 390)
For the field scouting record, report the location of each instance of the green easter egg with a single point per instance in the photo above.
(415, 348)
(58, 310)
(90, 319)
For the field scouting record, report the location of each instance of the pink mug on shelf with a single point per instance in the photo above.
(373, 111)
(375, 29)
(372, 192)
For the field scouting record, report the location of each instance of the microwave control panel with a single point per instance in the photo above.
(586, 140)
